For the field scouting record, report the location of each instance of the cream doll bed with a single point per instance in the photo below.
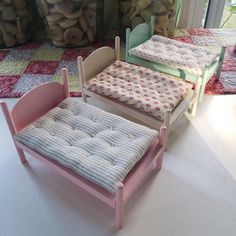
(100, 63)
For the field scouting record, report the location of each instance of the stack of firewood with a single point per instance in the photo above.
(14, 21)
(70, 22)
(135, 12)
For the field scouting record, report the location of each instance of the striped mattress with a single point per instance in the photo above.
(97, 145)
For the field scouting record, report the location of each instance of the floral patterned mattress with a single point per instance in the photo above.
(150, 91)
(177, 54)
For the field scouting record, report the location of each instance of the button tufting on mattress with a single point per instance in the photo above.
(107, 143)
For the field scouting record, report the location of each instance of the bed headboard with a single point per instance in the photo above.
(139, 34)
(97, 61)
(39, 101)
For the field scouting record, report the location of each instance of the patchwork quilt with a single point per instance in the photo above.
(24, 67)
(27, 66)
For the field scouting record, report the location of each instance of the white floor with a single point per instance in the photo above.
(194, 194)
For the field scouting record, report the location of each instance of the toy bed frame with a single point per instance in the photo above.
(101, 58)
(144, 32)
(45, 97)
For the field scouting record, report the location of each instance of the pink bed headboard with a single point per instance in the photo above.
(39, 101)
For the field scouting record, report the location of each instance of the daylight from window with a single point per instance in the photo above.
(229, 15)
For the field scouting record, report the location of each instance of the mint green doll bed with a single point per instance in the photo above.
(143, 32)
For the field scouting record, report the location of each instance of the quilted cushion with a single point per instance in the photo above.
(97, 145)
(142, 88)
(177, 54)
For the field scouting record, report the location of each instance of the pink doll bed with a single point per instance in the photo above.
(102, 153)
(148, 96)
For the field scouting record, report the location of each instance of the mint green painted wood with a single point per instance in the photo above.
(222, 55)
(142, 33)
(163, 68)
(139, 35)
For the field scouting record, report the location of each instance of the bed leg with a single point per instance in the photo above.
(202, 89)
(162, 138)
(127, 45)
(152, 25)
(81, 77)
(221, 60)
(119, 205)
(167, 125)
(117, 47)
(65, 77)
(205, 78)
(12, 129)
(21, 155)
(194, 107)
(197, 94)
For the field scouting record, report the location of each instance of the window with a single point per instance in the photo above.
(214, 13)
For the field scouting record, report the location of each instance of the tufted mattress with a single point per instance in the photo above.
(150, 91)
(97, 145)
(180, 55)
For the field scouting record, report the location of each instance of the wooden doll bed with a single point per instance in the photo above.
(103, 57)
(143, 32)
(39, 102)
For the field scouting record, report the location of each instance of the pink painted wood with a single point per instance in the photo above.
(12, 129)
(163, 141)
(38, 101)
(33, 105)
(65, 77)
(86, 185)
(42, 99)
(119, 205)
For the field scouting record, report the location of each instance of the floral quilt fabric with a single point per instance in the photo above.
(150, 91)
(177, 54)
